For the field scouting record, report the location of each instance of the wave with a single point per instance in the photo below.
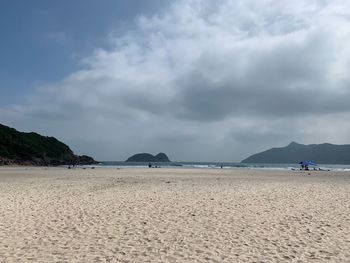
(218, 165)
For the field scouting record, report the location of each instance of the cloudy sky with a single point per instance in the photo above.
(200, 80)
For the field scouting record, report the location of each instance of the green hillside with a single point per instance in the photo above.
(32, 148)
(325, 153)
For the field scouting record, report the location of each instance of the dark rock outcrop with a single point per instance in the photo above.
(162, 157)
(325, 153)
(84, 159)
(23, 148)
(146, 157)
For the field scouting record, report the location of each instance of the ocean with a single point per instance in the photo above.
(222, 165)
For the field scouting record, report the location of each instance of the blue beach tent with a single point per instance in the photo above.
(307, 163)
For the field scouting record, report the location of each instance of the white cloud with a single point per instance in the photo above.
(206, 80)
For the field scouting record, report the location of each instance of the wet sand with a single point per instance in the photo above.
(173, 215)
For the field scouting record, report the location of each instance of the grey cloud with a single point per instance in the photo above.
(209, 102)
(206, 81)
(290, 79)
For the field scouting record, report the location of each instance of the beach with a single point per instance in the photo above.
(173, 215)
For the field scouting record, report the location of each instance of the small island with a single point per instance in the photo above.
(22, 148)
(147, 157)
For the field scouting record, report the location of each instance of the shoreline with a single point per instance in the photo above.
(333, 169)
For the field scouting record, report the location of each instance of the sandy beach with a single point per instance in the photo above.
(173, 215)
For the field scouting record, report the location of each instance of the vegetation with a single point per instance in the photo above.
(325, 153)
(32, 148)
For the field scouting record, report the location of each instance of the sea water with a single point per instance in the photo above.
(223, 165)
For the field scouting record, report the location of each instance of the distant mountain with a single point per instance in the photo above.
(325, 153)
(33, 149)
(146, 157)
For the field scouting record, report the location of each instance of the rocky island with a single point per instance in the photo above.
(21, 148)
(147, 157)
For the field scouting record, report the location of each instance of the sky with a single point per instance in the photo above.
(199, 80)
